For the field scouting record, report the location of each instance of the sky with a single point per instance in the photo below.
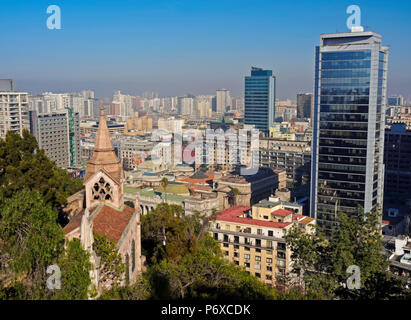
(175, 47)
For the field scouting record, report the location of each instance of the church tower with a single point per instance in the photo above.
(105, 212)
(104, 175)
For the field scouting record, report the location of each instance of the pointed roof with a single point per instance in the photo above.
(104, 156)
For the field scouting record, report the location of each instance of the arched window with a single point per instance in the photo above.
(127, 268)
(133, 255)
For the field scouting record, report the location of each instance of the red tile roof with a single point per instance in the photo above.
(233, 215)
(111, 222)
(298, 216)
(108, 221)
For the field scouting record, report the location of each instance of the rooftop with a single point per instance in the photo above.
(235, 214)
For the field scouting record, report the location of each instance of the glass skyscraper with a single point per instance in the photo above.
(348, 126)
(259, 99)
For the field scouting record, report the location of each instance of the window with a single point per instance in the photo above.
(269, 268)
(226, 253)
(269, 277)
(269, 260)
(246, 256)
(236, 254)
(257, 258)
(269, 244)
(225, 245)
(257, 266)
(247, 264)
(270, 233)
(127, 268)
(258, 275)
(133, 255)
(281, 263)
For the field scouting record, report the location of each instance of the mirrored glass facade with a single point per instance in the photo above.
(348, 139)
(259, 99)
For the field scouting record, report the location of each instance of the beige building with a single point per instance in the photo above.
(253, 238)
(138, 125)
(251, 189)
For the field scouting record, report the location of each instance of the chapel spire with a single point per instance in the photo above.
(104, 156)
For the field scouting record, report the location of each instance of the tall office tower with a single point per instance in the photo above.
(348, 128)
(259, 99)
(397, 160)
(223, 100)
(304, 105)
(58, 133)
(14, 112)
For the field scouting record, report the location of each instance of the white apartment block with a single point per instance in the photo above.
(14, 112)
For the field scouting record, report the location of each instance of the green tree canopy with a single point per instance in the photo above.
(24, 165)
(31, 240)
(322, 263)
(112, 268)
(75, 269)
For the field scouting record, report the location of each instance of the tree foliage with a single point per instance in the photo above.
(75, 269)
(23, 165)
(322, 263)
(112, 268)
(187, 263)
(31, 240)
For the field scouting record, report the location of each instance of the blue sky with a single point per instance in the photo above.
(187, 46)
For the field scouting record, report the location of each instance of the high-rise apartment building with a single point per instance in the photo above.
(259, 99)
(304, 105)
(348, 131)
(223, 100)
(58, 133)
(14, 112)
(185, 105)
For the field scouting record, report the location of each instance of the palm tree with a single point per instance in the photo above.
(164, 184)
(235, 192)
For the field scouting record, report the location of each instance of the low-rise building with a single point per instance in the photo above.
(253, 238)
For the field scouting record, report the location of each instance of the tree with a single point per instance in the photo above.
(32, 240)
(322, 263)
(164, 185)
(205, 274)
(112, 268)
(24, 165)
(140, 290)
(75, 272)
(167, 234)
(235, 192)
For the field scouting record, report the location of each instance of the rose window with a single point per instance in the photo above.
(102, 190)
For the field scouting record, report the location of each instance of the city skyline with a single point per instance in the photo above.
(181, 47)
